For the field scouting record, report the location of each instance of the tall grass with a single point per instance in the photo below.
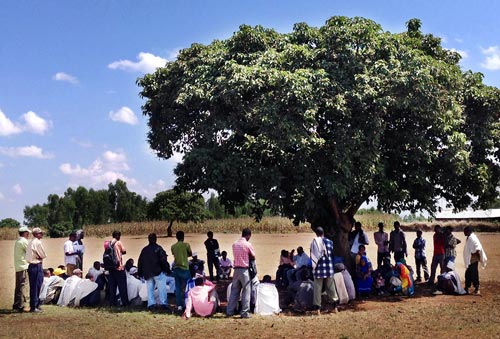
(267, 225)
(233, 225)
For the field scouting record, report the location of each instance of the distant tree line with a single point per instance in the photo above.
(81, 206)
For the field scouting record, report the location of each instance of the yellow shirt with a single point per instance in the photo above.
(20, 263)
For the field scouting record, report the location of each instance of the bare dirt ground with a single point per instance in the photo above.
(421, 316)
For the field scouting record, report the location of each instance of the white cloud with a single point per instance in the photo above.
(34, 123)
(124, 115)
(61, 76)
(7, 127)
(17, 189)
(82, 143)
(107, 168)
(25, 151)
(147, 63)
(2, 197)
(492, 61)
(462, 53)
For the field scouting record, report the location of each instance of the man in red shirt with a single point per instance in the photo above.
(243, 252)
(438, 256)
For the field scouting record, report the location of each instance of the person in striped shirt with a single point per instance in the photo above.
(243, 252)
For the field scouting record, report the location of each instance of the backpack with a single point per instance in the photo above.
(109, 258)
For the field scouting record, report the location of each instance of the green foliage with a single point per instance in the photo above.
(177, 206)
(317, 121)
(80, 207)
(59, 230)
(9, 222)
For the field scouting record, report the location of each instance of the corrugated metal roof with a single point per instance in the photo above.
(469, 214)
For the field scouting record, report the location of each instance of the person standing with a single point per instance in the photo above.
(21, 267)
(438, 255)
(153, 266)
(117, 276)
(397, 243)
(79, 248)
(357, 237)
(212, 246)
(243, 252)
(70, 254)
(181, 252)
(450, 244)
(382, 240)
(473, 255)
(420, 257)
(35, 254)
(322, 264)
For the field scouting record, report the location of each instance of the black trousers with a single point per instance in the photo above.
(212, 261)
(472, 276)
(118, 279)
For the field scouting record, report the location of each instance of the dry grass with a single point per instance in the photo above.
(271, 225)
(235, 225)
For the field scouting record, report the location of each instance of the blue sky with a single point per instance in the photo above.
(69, 106)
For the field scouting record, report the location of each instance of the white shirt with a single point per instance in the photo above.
(68, 248)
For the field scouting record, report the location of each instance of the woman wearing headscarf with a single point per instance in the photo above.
(364, 280)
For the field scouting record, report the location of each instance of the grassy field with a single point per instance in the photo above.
(421, 316)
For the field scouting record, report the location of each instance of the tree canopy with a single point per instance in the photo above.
(173, 206)
(317, 121)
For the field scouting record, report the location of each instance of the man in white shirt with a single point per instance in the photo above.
(301, 260)
(70, 254)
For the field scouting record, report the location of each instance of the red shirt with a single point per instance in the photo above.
(438, 243)
(242, 250)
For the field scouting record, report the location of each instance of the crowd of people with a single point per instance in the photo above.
(305, 281)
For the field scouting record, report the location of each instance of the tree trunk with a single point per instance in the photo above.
(169, 229)
(337, 226)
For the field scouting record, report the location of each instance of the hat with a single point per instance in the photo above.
(195, 254)
(450, 265)
(133, 270)
(77, 271)
(37, 230)
(59, 271)
(24, 229)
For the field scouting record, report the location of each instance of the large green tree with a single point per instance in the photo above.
(318, 121)
(172, 205)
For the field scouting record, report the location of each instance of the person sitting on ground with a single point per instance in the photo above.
(406, 276)
(196, 265)
(60, 271)
(203, 298)
(449, 282)
(97, 272)
(267, 299)
(134, 286)
(286, 263)
(305, 293)
(361, 252)
(301, 260)
(87, 292)
(129, 264)
(68, 292)
(364, 280)
(51, 288)
(225, 266)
